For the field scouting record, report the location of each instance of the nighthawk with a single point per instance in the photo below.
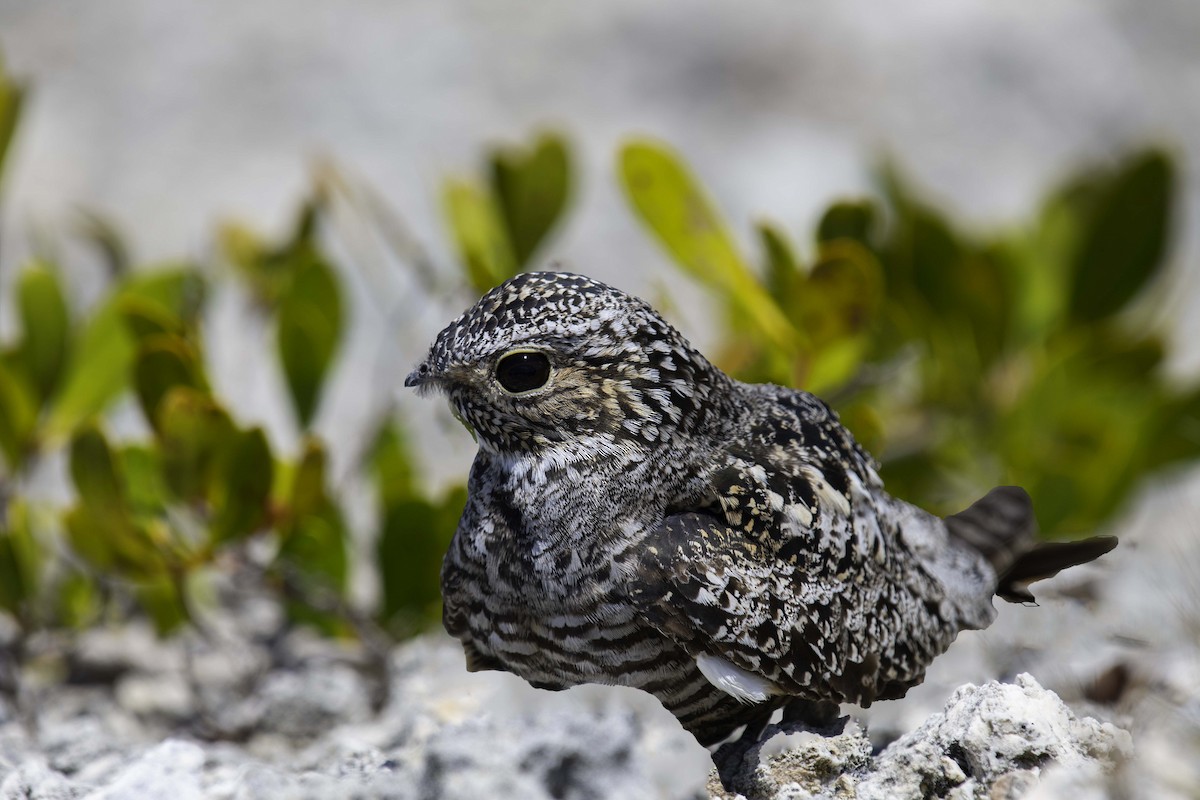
(637, 517)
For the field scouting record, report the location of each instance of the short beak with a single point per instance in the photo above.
(426, 378)
(418, 376)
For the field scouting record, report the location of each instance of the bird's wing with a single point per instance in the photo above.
(818, 601)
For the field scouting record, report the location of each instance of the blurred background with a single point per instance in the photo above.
(780, 107)
(169, 118)
(228, 230)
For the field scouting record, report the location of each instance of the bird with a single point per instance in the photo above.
(637, 517)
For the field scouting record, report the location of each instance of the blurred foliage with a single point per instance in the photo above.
(12, 93)
(498, 225)
(151, 515)
(297, 282)
(415, 532)
(961, 360)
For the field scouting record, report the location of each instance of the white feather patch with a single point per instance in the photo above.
(743, 686)
(826, 494)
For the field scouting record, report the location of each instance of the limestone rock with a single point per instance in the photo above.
(992, 741)
(996, 737)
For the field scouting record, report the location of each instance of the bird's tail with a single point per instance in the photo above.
(1001, 526)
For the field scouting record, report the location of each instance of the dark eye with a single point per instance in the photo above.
(523, 371)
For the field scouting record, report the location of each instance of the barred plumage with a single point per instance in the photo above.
(637, 517)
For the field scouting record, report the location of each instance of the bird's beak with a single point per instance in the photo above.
(426, 378)
(419, 376)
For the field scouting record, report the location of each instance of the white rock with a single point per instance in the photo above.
(165, 694)
(996, 735)
(34, 780)
(170, 770)
(446, 734)
(991, 741)
(309, 702)
(801, 764)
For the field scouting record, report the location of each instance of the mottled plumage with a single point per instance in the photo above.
(640, 518)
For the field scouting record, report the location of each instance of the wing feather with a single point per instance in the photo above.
(835, 610)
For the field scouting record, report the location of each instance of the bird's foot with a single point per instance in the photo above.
(738, 761)
(815, 716)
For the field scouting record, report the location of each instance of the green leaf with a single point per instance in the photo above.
(531, 188)
(411, 546)
(308, 495)
(315, 547)
(21, 560)
(478, 233)
(179, 291)
(406, 561)
(407, 552)
(296, 279)
(90, 539)
(674, 207)
(925, 472)
(392, 464)
(95, 475)
(931, 255)
(1037, 260)
(842, 294)
(101, 363)
(314, 559)
(100, 529)
(836, 307)
(46, 328)
(1075, 439)
(241, 493)
(162, 600)
(985, 297)
(784, 272)
(193, 430)
(1176, 431)
(164, 362)
(18, 414)
(12, 94)
(1124, 237)
(146, 318)
(945, 287)
(310, 329)
(97, 372)
(1118, 354)
(922, 254)
(113, 546)
(77, 603)
(314, 540)
(246, 252)
(849, 219)
(269, 269)
(143, 470)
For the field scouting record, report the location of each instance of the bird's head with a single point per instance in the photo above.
(548, 358)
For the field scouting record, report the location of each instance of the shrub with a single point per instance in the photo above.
(1030, 356)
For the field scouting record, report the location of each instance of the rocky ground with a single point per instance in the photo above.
(307, 730)
(1097, 697)
(147, 719)
(997, 740)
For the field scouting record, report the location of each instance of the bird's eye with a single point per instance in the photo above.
(523, 371)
